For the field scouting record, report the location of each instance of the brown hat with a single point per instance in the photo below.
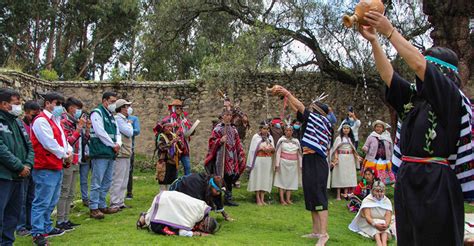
(176, 102)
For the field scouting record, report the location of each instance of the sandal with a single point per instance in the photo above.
(139, 224)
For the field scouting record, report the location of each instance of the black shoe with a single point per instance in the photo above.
(125, 206)
(23, 232)
(69, 223)
(230, 203)
(64, 226)
(40, 240)
(129, 197)
(55, 232)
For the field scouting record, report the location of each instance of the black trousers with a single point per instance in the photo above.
(429, 206)
(229, 179)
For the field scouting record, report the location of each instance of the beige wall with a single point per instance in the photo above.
(150, 100)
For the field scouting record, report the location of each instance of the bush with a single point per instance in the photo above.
(47, 74)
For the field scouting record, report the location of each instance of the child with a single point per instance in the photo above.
(344, 161)
(362, 189)
(169, 147)
(259, 162)
(288, 160)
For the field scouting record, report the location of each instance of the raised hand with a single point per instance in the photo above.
(368, 32)
(379, 22)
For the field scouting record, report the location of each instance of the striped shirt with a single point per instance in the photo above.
(317, 133)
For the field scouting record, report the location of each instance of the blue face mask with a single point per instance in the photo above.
(277, 125)
(57, 111)
(78, 114)
(296, 127)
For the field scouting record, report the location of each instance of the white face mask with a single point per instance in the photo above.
(17, 110)
(130, 111)
(112, 107)
(57, 111)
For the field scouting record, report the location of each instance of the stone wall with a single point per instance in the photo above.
(150, 100)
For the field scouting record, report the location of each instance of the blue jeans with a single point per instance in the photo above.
(84, 168)
(11, 193)
(28, 187)
(47, 189)
(102, 173)
(186, 163)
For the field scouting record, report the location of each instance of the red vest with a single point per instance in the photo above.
(43, 158)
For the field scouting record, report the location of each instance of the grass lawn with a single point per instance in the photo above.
(269, 225)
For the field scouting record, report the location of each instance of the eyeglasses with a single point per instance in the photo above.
(179, 107)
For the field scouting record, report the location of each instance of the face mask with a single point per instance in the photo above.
(112, 107)
(130, 111)
(296, 127)
(78, 114)
(16, 110)
(57, 111)
(277, 125)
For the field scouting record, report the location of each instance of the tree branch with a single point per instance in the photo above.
(268, 10)
(417, 32)
(304, 64)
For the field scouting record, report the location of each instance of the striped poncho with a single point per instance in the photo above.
(462, 162)
(317, 135)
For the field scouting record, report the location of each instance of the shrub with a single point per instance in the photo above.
(47, 74)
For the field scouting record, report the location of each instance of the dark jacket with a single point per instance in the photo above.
(15, 147)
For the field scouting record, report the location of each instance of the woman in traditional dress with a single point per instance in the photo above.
(375, 215)
(288, 161)
(168, 146)
(378, 148)
(344, 161)
(259, 162)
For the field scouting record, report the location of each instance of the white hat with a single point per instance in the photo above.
(122, 102)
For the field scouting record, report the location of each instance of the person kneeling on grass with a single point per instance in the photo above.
(374, 217)
(207, 188)
(175, 213)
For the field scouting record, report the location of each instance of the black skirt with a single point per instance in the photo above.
(429, 208)
(315, 178)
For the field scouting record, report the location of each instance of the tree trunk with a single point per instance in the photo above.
(37, 41)
(102, 72)
(60, 31)
(450, 20)
(52, 29)
(132, 56)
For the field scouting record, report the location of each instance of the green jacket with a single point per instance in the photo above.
(15, 147)
(97, 149)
